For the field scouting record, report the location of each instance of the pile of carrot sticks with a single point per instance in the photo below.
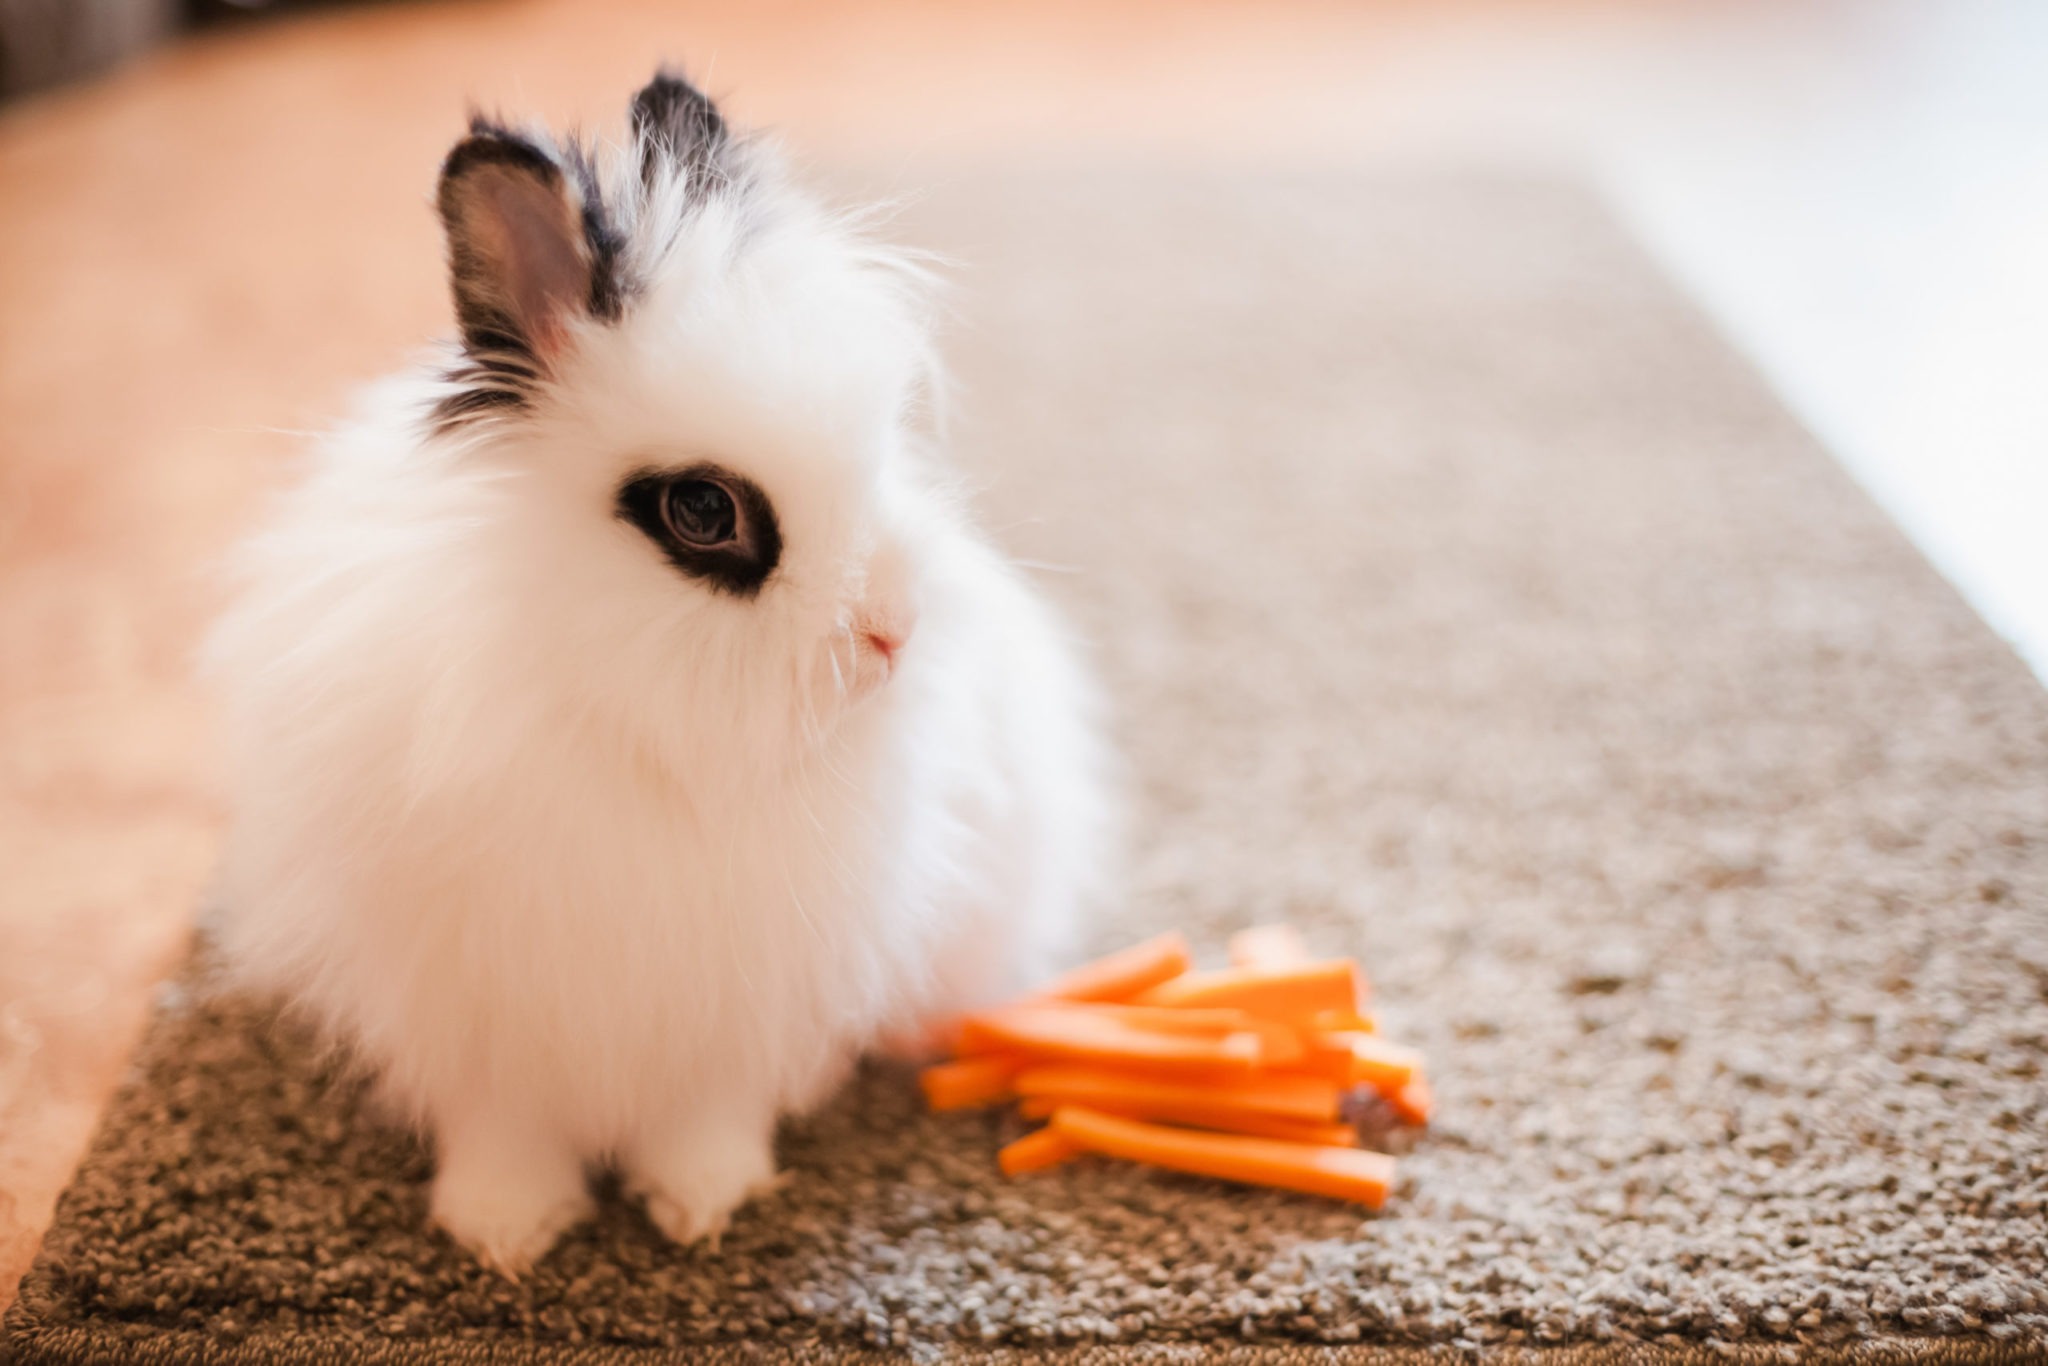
(1249, 1073)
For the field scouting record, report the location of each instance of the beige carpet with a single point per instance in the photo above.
(1468, 603)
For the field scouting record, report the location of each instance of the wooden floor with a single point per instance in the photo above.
(200, 254)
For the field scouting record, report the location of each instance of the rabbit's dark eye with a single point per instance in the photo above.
(699, 512)
(712, 524)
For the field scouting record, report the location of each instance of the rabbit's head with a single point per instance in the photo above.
(694, 393)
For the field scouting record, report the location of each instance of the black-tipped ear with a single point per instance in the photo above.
(519, 258)
(676, 125)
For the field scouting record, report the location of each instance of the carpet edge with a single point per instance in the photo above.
(37, 1346)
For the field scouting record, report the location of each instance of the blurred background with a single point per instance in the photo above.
(214, 222)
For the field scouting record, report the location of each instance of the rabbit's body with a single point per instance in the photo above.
(600, 840)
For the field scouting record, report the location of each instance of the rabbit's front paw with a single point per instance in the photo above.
(505, 1204)
(692, 1185)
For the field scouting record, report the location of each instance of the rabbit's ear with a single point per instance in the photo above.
(677, 128)
(523, 245)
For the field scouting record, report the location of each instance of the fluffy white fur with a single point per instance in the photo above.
(591, 862)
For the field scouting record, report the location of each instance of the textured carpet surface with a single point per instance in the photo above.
(1465, 601)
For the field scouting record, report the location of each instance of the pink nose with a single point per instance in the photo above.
(887, 630)
(885, 644)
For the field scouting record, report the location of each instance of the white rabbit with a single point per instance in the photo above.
(625, 725)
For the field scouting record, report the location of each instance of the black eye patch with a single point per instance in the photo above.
(712, 524)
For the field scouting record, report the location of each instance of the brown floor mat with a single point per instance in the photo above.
(1467, 602)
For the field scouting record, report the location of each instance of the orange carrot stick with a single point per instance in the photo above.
(1279, 1045)
(1329, 1135)
(1292, 995)
(1170, 1020)
(1295, 1097)
(1060, 1031)
(1333, 1135)
(1351, 1058)
(1271, 1126)
(1267, 946)
(1414, 1101)
(1125, 974)
(1035, 1151)
(1378, 1063)
(967, 1082)
(1347, 1173)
